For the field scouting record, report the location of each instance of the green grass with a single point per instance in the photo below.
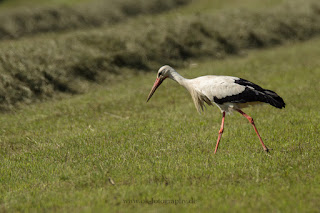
(195, 6)
(60, 155)
(40, 67)
(209, 6)
(10, 4)
(32, 18)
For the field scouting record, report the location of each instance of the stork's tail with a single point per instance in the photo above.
(274, 99)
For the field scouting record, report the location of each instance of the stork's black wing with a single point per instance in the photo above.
(252, 93)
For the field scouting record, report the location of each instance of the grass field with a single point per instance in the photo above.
(40, 66)
(209, 6)
(109, 150)
(63, 155)
(7, 4)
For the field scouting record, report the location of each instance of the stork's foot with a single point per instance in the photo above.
(267, 150)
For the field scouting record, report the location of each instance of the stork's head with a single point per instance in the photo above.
(163, 73)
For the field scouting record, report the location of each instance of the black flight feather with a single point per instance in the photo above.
(253, 93)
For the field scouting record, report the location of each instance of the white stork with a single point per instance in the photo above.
(227, 92)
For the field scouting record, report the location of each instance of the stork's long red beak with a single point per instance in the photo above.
(155, 86)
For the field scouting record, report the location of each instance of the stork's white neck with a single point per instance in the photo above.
(178, 78)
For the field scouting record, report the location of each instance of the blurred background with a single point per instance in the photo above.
(49, 47)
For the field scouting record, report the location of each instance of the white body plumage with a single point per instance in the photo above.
(211, 86)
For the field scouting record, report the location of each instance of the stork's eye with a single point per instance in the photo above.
(160, 73)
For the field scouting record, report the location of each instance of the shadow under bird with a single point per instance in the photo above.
(227, 92)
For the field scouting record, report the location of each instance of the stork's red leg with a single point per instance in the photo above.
(255, 129)
(220, 132)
